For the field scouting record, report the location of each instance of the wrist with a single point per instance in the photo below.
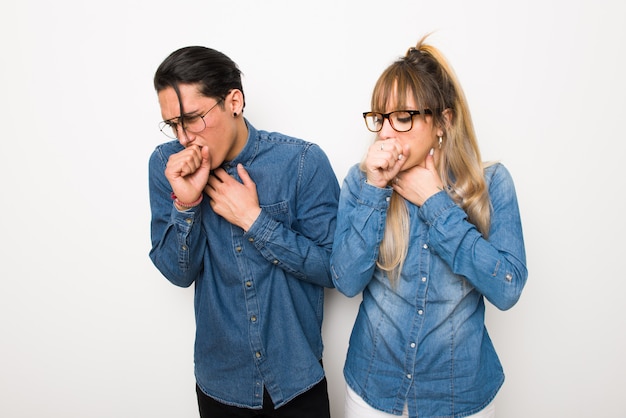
(180, 205)
(247, 224)
(379, 184)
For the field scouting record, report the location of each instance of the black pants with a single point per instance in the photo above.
(311, 404)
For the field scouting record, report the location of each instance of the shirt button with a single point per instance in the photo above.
(425, 246)
(420, 312)
(412, 345)
(275, 261)
(253, 318)
(248, 283)
(409, 376)
(251, 239)
(183, 247)
(188, 220)
(238, 249)
(257, 354)
(508, 277)
(423, 279)
(387, 199)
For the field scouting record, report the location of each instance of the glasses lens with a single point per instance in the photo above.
(374, 121)
(401, 121)
(168, 129)
(194, 124)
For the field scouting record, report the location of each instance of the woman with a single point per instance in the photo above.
(425, 230)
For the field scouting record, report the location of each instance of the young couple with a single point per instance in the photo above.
(422, 228)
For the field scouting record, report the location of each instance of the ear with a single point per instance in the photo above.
(447, 117)
(235, 101)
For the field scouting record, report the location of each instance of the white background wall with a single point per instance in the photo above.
(89, 328)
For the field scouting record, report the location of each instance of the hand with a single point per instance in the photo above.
(236, 202)
(384, 161)
(188, 172)
(418, 183)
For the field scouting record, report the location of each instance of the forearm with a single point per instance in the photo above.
(176, 240)
(360, 228)
(353, 261)
(297, 254)
(177, 246)
(495, 266)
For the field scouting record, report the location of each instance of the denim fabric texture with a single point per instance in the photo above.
(424, 342)
(259, 295)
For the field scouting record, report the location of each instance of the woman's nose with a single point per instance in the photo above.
(387, 130)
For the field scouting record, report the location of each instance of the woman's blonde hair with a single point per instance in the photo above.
(424, 75)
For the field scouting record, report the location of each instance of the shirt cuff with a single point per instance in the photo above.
(435, 206)
(374, 197)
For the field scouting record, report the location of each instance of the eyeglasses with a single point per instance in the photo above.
(193, 124)
(400, 120)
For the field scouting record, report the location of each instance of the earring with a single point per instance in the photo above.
(235, 114)
(440, 141)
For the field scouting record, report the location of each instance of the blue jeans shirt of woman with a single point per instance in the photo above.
(424, 342)
(259, 294)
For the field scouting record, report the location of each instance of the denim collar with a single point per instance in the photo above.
(249, 150)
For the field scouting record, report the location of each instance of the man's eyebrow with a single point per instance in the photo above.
(176, 119)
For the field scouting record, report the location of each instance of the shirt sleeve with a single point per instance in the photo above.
(177, 242)
(495, 266)
(360, 227)
(304, 252)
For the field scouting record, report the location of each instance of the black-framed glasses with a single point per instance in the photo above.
(193, 124)
(400, 120)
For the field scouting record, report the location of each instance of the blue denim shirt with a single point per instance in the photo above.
(258, 294)
(424, 343)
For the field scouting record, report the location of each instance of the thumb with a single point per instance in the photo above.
(206, 157)
(430, 161)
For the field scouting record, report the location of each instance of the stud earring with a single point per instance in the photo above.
(440, 141)
(235, 114)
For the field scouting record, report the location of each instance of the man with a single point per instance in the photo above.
(249, 217)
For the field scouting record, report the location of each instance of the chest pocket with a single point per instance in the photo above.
(279, 212)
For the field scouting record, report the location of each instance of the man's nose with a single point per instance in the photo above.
(183, 136)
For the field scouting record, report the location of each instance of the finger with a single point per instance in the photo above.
(400, 159)
(188, 161)
(214, 179)
(195, 153)
(188, 166)
(395, 170)
(220, 174)
(406, 151)
(244, 176)
(395, 153)
(404, 155)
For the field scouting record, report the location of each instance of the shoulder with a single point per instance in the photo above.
(291, 144)
(355, 173)
(499, 179)
(163, 151)
(496, 171)
(355, 177)
(280, 138)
